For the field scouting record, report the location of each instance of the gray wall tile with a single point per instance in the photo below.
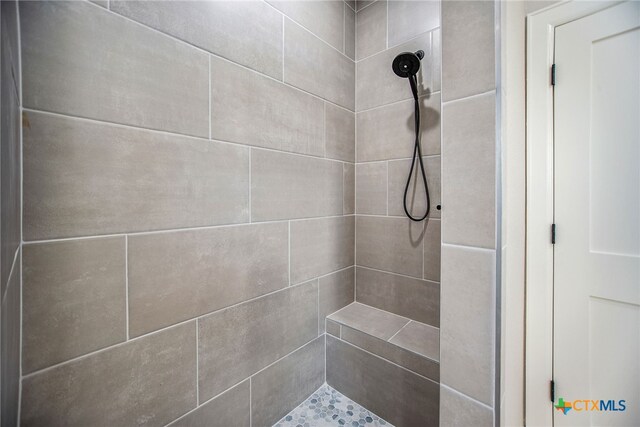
(370, 320)
(78, 177)
(287, 186)
(408, 19)
(378, 85)
(351, 4)
(247, 32)
(468, 160)
(82, 285)
(371, 30)
(413, 298)
(356, 373)
(149, 381)
(231, 408)
(361, 4)
(468, 48)
(311, 65)
(389, 132)
(419, 338)
(321, 246)
(408, 359)
(333, 328)
(458, 410)
(432, 250)
(340, 133)
(349, 189)
(180, 275)
(350, 32)
(10, 353)
(10, 122)
(285, 384)
(335, 291)
(252, 109)
(260, 331)
(417, 200)
(390, 244)
(468, 321)
(325, 19)
(371, 188)
(156, 82)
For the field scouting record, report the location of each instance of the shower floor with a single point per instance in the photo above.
(328, 407)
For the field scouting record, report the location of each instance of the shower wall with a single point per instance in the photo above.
(188, 208)
(10, 222)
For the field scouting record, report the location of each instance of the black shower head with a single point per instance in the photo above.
(407, 64)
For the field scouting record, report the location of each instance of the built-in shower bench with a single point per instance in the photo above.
(413, 345)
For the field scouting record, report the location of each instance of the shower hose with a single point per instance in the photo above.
(417, 153)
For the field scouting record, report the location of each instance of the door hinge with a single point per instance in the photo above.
(553, 234)
(552, 390)
(553, 75)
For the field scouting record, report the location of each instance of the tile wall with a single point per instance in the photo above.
(10, 219)
(188, 208)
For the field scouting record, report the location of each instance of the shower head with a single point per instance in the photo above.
(407, 64)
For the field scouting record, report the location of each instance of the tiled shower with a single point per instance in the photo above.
(202, 219)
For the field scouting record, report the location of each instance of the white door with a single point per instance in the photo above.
(597, 212)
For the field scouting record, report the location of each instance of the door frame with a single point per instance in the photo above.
(539, 202)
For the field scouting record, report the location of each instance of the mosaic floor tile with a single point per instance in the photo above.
(327, 407)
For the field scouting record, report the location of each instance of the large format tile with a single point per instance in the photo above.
(180, 275)
(311, 65)
(378, 85)
(321, 246)
(468, 48)
(396, 394)
(325, 19)
(408, 359)
(78, 59)
(369, 320)
(416, 197)
(79, 283)
(350, 32)
(214, 26)
(10, 122)
(85, 178)
(252, 109)
(349, 189)
(468, 321)
(231, 408)
(336, 290)
(413, 298)
(285, 186)
(389, 132)
(371, 188)
(150, 381)
(469, 172)
(286, 383)
(458, 410)
(239, 341)
(432, 250)
(419, 338)
(408, 19)
(390, 244)
(371, 30)
(10, 351)
(340, 133)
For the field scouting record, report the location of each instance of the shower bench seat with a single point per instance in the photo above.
(412, 345)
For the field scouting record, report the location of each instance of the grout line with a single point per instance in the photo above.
(250, 402)
(174, 134)
(289, 250)
(197, 362)
(282, 47)
(386, 36)
(318, 310)
(366, 6)
(395, 274)
(324, 132)
(389, 361)
(250, 186)
(471, 248)
(476, 95)
(210, 94)
(393, 103)
(387, 187)
(349, 6)
(179, 230)
(283, 357)
(398, 331)
(13, 264)
(324, 275)
(344, 27)
(21, 185)
(466, 396)
(126, 284)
